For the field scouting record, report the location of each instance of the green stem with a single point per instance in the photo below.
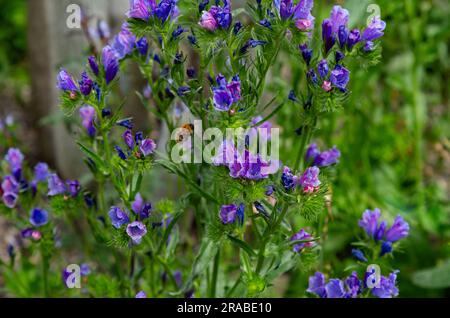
(215, 274)
(45, 265)
(267, 235)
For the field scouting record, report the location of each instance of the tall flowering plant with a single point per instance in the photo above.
(255, 216)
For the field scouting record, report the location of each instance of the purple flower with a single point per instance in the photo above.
(10, 184)
(288, 180)
(342, 36)
(128, 138)
(136, 231)
(327, 158)
(178, 31)
(328, 36)
(84, 269)
(388, 288)
(73, 187)
(41, 172)
(353, 38)
(369, 221)
(369, 46)
(300, 236)
(124, 42)
(359, 255)
(142, 46)
(226, 93)
(228, 213)
(141, 9)
(386, 248)
(86, 84)
(322, 68)
(306, 53)
(110, 63)
(93, 65)
(398, 230)
(140, 207)
(120, 153)
(166, 9)
(55, 185)
(310, 179)
(66, 82)
(374, 30)
(338, 17)
(339, 56)
(312, 77)
(87, 114)
(340, 77)
(10, 199)
(222, 100)
(14, 158)
(38, 217)
(126, 123)
(208, 21)
(118, 217)
(148, 147)
(141, 294)
(353, 285)
(312, 152)
(317, 285)
(335, 288)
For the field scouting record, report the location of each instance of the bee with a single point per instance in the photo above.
(184, 131)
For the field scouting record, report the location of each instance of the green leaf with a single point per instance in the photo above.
(242, 245)
(436, 277)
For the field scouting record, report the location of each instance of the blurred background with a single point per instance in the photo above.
(394, 131)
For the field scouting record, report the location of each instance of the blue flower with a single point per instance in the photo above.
(126, 123)
(317, 285)
(148, 147)
(387, 288)
(310, 179)
(306, 53)
(386, 248)
(136, 231)
(359, 255)
(86, 84)
(110, 63)
(177, 32)
(118, 217)
(14, 157)
(128, 138)
(339, 17)
(141, 9)
(340, 77)
(342, 36)
(41, 172)
(93, 65)
(55, 185)
(266, 23)
(87, 114)
(335, 288)
(369, 222)
(124, 42)
(300, 236)
(142, 46)
(353, 38)
(73, 187)
(328, 36)
(398, 230)
(141, 294)
(322, 68)
(374, 30)
(327, 158)
(141, 208)
(38, 217)
(66, 82)
(287, 179)
(228, 213)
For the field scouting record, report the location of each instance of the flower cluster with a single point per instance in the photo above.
(243, 164)
(378, 231)
(225, 94)
(300, 13)
(136, 145)
(306, 239)
(322, 159)
(308, 181)
(145, 9)
(136, 230)
(216, 16)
